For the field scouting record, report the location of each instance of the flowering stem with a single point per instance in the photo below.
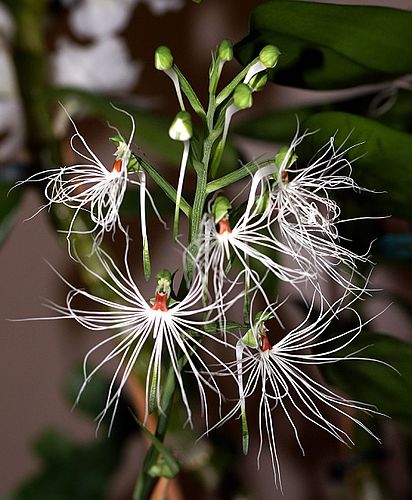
(145, 482)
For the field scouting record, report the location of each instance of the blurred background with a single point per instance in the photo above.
(109, 53)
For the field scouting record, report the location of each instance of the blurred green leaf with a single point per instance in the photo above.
(327, 46)
(71, 471)
(383, 159)
(169, 466)
(79, 471)
(9, 203)
(375, 383)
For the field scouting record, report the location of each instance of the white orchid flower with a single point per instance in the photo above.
(277, 375)
(90, 187)
(245, 240)
(166, 328)
(301, 215)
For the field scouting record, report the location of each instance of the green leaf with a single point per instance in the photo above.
(171, 463)
(375, 383)
(274, 126)
(9, 203)
(327, 46)
(383, 159)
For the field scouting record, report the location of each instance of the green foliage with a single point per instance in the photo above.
(327, 46)
(78, 471)
(383, 159)
(375, 383)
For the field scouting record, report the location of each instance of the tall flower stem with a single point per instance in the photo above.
(145, 482)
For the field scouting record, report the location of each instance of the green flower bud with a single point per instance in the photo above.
(249, 339)
(269, 56)
(258, 81)
(164, 282)
(181, 128)
(220, 208)
(163, 58)
(225, 51)
(242, 96)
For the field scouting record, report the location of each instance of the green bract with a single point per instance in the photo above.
(221, 208)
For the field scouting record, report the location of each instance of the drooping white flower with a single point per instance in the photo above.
(102, 66)
(301, 214)
(170, 330)
(277, 374)
(90, 187)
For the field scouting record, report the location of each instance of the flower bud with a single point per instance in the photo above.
(220, 208)
(181, 128)
(163, 58)
(269, 56)
(258, 81)
(164, 282)
(225, 51)
(242, 96)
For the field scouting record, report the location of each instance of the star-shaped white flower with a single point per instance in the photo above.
(171, 331)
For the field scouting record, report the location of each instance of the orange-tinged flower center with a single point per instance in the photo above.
(224, 226)
(265, 343)
(160, 302)
(117, 166)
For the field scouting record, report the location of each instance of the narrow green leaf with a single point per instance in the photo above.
(168, 189)
(326, 46)
(169, 460)
(190, 94)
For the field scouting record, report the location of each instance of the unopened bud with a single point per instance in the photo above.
(163, 58)
(164, 282)
(225, 51)
(269, 56)
(220, 208)
(242, 96)
(181, 128)
(258, 81)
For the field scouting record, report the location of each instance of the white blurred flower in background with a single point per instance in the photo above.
(104, 66)
(100, 18)
(160, 7)
(11, 119)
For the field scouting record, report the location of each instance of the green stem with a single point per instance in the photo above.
(145, 482)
